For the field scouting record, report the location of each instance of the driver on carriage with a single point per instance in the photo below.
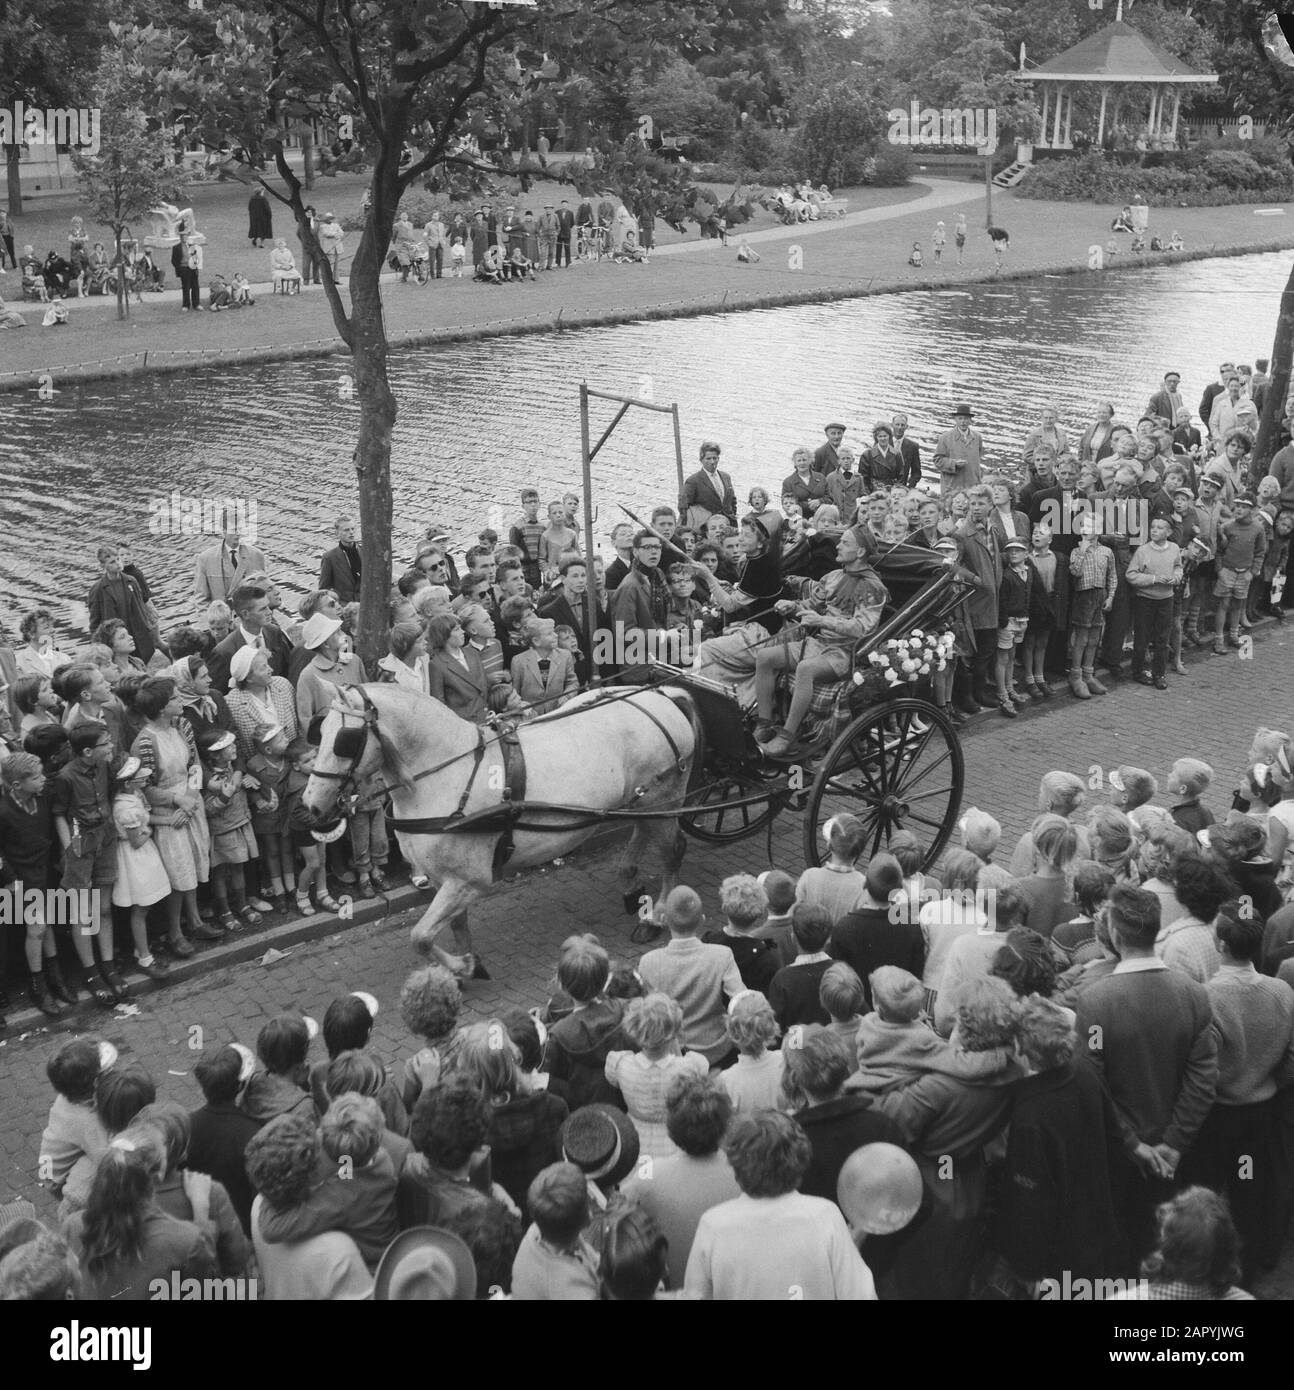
(838, 611)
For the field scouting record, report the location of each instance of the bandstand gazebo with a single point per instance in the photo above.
(1117, 56)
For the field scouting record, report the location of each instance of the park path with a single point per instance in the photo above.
(938, 196)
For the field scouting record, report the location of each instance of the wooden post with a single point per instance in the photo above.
(1177, 111)
(1055, 134)
(678, 454)
(591, 591)
(988, 191)
(1069, 120)
(1046, 103)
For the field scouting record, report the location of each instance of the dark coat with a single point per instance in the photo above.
(715, 495)
(911, 453)
(335, 573)
(122, 598)
(982, 556)
(1056, 1209)
(276, 644)
(869, 938)
(260, 220)
(835, 1129)
(1050, 609)
(1047, 505)
(221, 1134)
(806, 490)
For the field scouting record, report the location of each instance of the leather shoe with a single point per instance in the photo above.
(1143, 679)
(1160, 683)
(206, 933)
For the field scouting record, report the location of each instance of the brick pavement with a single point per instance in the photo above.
(1211, 713)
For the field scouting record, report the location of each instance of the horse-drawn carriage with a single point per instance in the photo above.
(662, 749)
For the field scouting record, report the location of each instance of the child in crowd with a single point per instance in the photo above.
(1155, 574)
(754, 1081)
(558, 536)
(746, 253)
(457, 255)
(544, 677)
(836, 886)
(36, 702)
(430, 1001)
(1131, 790)
(141, 876)
(1242, 546)
(1074, 942)
(1275, 562)
(654, 1025)
(268, 767)
(301, 758)
(241, 292)
(357, 1191)
(1014, 597)
(1188, 781)
(82, 802)
(914, 256)
(1175, 242)
(779, 896)
(938, 241)
(368, 838)
(527, 535)
(1094, 582)
(842, 994)
(1047, 602)
(981, 834)
(229, 819)
(278, 1085)
(580, 1041)
(219, 294)
(74, 1138)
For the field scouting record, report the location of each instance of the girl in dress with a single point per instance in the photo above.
(229, 818)
(654, 1025)
(141, 876)
(269, 766)
(174, 796)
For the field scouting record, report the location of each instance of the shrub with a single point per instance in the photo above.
(1216, 177)
(893, 166)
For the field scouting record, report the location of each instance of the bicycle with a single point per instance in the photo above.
(592, 242)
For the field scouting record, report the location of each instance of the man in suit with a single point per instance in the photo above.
(826, 458)
(565, 222)
(221, 569)
(251, 605)
(339, 570)
(708, 492)
(547, 237)
(569, 605)
(117, 595)
(1056, 507)
(959, 453)
(982, 555)
(908, 448)
(544, 676)
(1167, 402)
(1214, 389)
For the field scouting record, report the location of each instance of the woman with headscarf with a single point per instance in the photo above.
(204, 708)
(258, 699)
(749, 618)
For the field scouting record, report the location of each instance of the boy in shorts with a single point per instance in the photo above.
(1242, 546)
(1013, 618)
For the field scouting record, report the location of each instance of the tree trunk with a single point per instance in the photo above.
(308, 158)
(377, 412)
(123, 294)
(1274, 401)
(13, 179)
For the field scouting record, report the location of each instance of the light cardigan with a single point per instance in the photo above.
(775, 1249)
(1253, 1021)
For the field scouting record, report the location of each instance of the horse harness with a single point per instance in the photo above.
(506, 819)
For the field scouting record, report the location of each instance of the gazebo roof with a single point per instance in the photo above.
(1117, 53)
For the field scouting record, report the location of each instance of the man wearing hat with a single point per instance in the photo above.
(547, 237)
(565, 222)
(251, 605)
(425, 1265)
(330, 233)
(1167, 402)
(959, 453)
(1208, 512)
(826, 458)
(511, 234)
(981, 554)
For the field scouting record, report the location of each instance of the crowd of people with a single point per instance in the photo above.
(1067, 1067)
(931, 1016)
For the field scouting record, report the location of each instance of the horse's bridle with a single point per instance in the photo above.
(350, 743)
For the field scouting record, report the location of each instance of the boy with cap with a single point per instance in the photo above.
(1155, 573)
(1242, 546)
(1188, 781)
(1013, 618)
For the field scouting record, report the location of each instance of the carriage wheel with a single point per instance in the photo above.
(898, 766)
(705, 816)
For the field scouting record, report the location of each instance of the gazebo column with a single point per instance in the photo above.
(1055, 134)
(1069, 121)
(1046, 102)
(1150, 119)
(1177, 110)
(1100, 129)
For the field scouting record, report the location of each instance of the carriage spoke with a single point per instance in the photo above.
(910, 782)
(924, 820)
(854, 793)
(944, 792)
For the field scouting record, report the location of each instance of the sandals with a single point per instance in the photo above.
(250, 915)
(304, 905)
(329, 904)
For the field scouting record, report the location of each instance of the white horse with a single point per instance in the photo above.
(622, 749)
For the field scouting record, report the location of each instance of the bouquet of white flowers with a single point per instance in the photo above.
(905, 660)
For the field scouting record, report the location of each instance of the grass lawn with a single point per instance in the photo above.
(865, 253)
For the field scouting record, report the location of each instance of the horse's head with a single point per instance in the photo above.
(352, 747)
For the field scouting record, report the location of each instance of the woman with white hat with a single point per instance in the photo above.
(318, 681)
(257, 698)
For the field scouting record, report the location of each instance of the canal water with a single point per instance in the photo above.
(104, 461)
